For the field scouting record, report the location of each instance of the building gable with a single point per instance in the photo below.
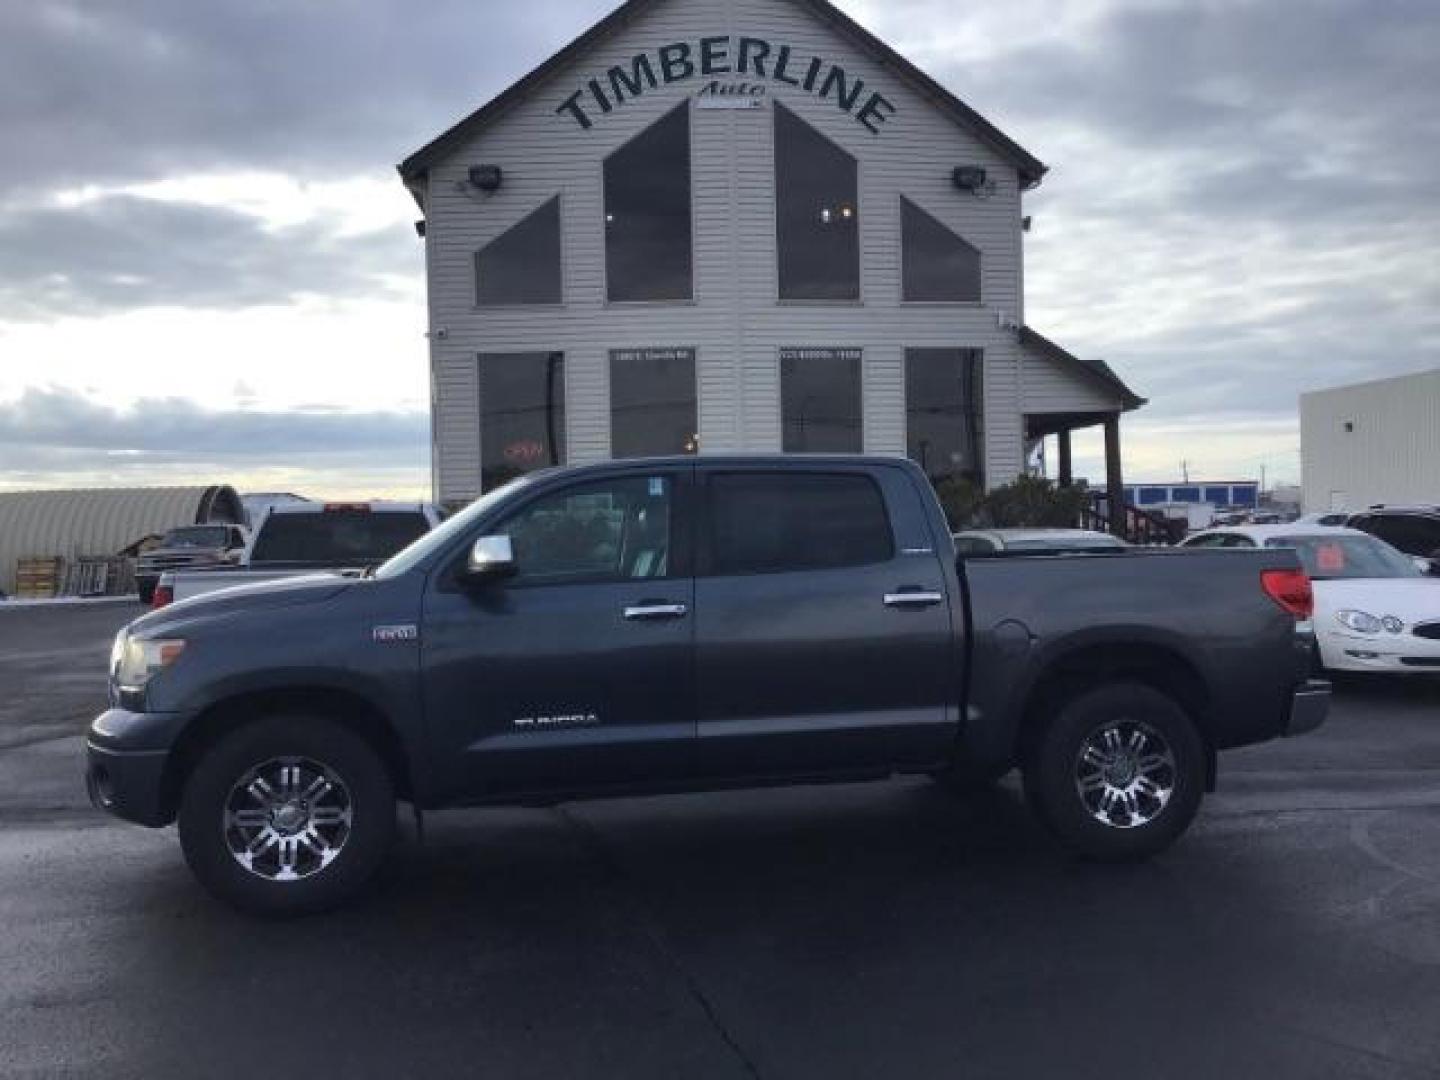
(730, 67)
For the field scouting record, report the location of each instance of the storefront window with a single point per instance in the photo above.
(522, 414)
(938, 265)
(817, 212)
(522, 266)
(944, 411)
(820, 401)
(652, 403)
(648, 242)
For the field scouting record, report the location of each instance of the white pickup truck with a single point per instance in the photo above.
(309, 538)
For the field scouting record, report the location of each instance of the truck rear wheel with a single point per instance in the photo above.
(1119, 774)
(287, 816)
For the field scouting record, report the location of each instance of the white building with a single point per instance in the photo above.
(1376, 442)
(736, 225)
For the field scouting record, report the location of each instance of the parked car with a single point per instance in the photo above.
(1034, 542)
(1414, 530)
(189, 547)
(1328, 519)
(295, 539)
(1375, 609)
(684, 624)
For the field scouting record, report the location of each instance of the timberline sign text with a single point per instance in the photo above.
(745, 58)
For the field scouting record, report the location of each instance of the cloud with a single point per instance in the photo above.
(122, 252)
(1241, 206)
(56, 432)
(148, 88)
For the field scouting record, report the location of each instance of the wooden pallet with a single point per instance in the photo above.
(38, 578)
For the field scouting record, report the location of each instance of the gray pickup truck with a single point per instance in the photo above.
(689, 624)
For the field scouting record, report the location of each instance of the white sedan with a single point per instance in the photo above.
(1375, 609)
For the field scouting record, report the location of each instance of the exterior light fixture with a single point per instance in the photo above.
(971, 178)
(486, 177)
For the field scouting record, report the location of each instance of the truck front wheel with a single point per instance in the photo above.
(288, 815)
(1119, 774)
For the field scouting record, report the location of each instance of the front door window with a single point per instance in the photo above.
(613, 530)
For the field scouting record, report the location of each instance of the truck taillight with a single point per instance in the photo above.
(164, 597)
(1291, 589)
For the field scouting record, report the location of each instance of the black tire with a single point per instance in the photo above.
(147, 592)
(369, 794)
(1100, 823)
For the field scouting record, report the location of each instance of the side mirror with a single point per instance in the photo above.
(491, 559)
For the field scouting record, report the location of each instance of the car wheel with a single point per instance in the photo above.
(287, 816)
(1119, 774)
(147, 593)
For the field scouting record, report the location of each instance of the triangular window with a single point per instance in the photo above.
(817, 213)
(938, 265)
(522, 265)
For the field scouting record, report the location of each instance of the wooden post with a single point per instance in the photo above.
(1114, 476)
(1067, 461)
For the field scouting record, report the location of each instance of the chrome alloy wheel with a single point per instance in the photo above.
(1125, 774)
(288, 819)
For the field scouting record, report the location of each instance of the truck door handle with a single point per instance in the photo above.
(919, 598)
(650, 612)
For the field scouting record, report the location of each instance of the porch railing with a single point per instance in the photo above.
(1143, 527)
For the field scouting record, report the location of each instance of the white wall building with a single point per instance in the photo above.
(736, 225)
(1376, 442)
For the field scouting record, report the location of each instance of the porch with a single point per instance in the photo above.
(1066, 394)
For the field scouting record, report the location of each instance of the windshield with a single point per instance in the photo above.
(199, 536)
(336, 538)
(1347, 558)
(441, 537)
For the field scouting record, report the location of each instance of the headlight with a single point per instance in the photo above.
(137, 661)
(1392, 625)
(1362, 622)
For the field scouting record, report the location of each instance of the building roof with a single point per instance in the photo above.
(1097, 370)
(1031, 169)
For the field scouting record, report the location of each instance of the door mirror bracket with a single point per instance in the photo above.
(491, 559)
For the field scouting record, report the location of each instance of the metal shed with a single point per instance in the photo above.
(102, 522)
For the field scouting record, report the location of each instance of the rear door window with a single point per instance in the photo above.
(774, 523)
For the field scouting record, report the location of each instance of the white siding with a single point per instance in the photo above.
(1391, 456)
(736, 323)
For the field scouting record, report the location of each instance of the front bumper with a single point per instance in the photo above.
(1309, 707)
(129, 785)
(126, 756)
(1401, 654)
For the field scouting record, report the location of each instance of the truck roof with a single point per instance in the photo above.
(731, 459)
(374, 507)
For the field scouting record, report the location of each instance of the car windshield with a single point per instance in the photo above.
(1097, 542)
(441, 537)
(1347, 558)
(199, 536)
(336, 538)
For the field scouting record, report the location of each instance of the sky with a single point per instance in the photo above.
(208, 269)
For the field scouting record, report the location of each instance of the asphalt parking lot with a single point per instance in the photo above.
(860, 931)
